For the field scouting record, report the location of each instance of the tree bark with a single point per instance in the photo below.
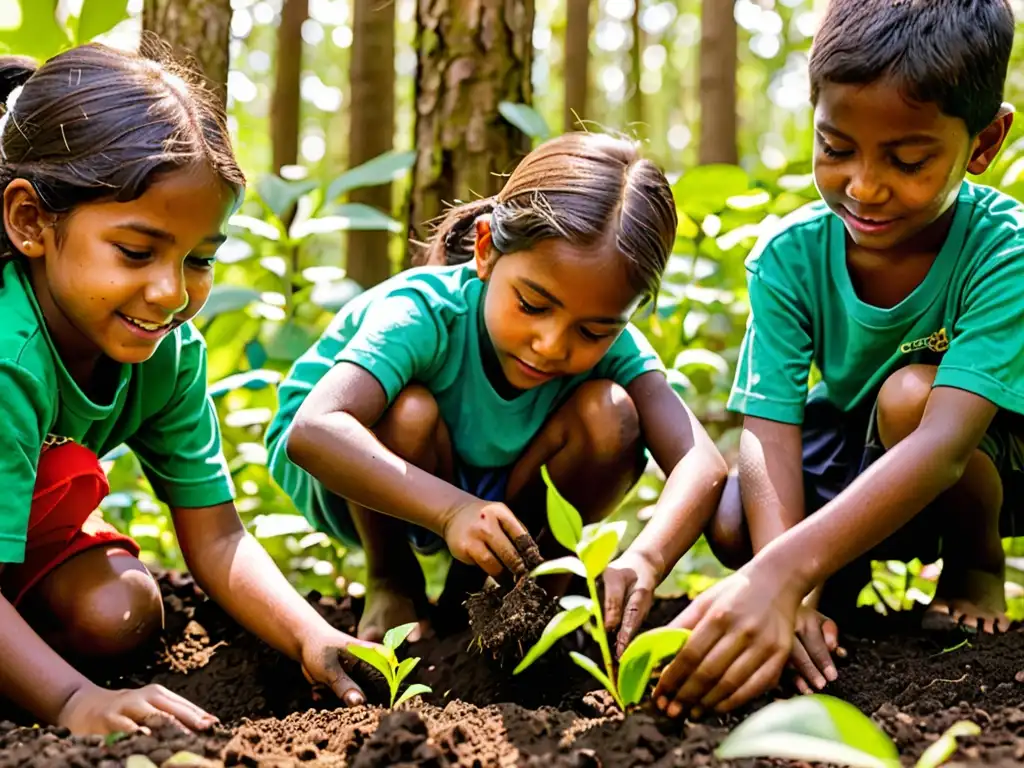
(718, 83)
(472, 55)
(636, 96)
(577, 63)
(197, 29)
(285, 104)
(371, 129)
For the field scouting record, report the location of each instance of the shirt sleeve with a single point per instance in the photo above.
(629, 356)
(179, 447)
(398, 339)
(25, 405)
(984, 355)
(775, 356)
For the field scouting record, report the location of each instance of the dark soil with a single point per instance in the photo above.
(544, 717)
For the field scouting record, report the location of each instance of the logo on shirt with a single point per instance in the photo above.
(937, 342)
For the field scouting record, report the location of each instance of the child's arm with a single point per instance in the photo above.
(331, 439)
(696, 474)
(743, 627)
(771, 478)
(36, 678)
(234, 570)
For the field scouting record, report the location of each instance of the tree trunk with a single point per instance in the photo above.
(636, 96)
(718, 83)
(472, 55)
(200, 29)
(284, 112)
(371, 129)
(577, 61)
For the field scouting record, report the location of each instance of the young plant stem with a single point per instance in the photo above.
(602, 641)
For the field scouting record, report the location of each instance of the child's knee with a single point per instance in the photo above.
(727, 533)
(409, 426)
(902, 400)
(608, 419)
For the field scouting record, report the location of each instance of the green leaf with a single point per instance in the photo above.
(598, 548)
(563, 519)
(343, 218)
(227, 298)
(99, 17)
(280, 195)
(334, 295)
(116, 736)
(591, 666)
(395, 636)
(286, 341)
(374, 658)
(641, 656)
(561, 625)
(706, 189)
(382, 169)
(254, 380)
(407, 666)
(817, 728)
(416, 689)
(255, 226)
(702, 358)
(941, 750)
(30, 28)
(568, 602)
(567, 564)
(525, 118)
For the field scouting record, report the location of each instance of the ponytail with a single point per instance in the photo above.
(14, 73)
(454, 239)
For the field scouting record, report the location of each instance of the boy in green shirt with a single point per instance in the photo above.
(904, 287)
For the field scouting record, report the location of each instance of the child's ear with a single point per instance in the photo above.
(990, 141)
(25, 219)
(483, 250)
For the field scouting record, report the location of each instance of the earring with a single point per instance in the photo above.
(26, 245)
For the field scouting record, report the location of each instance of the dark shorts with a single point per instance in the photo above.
(838, 446)
(333, 511)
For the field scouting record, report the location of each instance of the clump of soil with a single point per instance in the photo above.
(507, 623)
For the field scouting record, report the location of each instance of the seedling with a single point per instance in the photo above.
(595, 545)
(386, 662)
(825, 729)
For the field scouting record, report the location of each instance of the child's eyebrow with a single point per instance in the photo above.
(160, 234)
(558, 303)
(902, 141)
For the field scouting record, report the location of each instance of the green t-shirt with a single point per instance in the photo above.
(424, 325)
(964, 316)
(160, 410)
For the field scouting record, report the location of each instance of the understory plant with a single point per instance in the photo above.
(594, 546)
(386, 662)
(829, 730)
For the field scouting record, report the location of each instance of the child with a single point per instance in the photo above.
(904, 287)
(428, 407)
(118, 179)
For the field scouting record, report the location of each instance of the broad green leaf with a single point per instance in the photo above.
(817, 728)
(563, 519)
(707, 188)
(559, 626)
(699, 357)
(255, 226)
(637, 663)
(687, 228)
(138, 761)
(335, 295)
(416, 689)
(374, 658)
(525, 118)
(227, 298)
(598, 549)
(286, 341)
(279, 524)
(380, 170)
(254, 380)
(567, 564)
(343, 218)
(407, 666)
(30, 28)
(568, 602)
(281, 195)
(940, 751)
(99, 17)
(591, 666)
(395, 636)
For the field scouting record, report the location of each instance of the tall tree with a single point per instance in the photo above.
(577, 61)
(285, 102)
(718, 82)
(470, 57)
(636, 49)
(199, 28)
(371, 129)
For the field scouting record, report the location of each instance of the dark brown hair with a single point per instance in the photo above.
(580, 187)
(953, 53)
(96, 123)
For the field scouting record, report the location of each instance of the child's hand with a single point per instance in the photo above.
(629, 582)
(484, 533)
(817, 638)
(94, 710)
(323, 662)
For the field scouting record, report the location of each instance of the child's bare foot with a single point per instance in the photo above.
(970, 598)
(387, 607)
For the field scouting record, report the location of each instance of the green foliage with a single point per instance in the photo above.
(32, 28)
(386, 662)
(824, 729)
(526, 119)
(595, 546)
